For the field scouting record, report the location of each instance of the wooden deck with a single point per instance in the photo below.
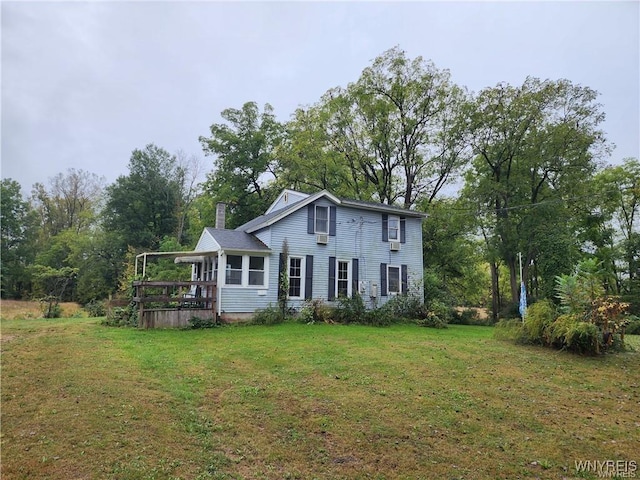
(169, 304)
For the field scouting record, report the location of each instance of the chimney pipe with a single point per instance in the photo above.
(220, 215)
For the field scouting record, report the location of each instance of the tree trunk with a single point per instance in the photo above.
(512, 263)
(495, 292)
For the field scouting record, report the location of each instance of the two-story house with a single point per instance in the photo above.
(335, 247)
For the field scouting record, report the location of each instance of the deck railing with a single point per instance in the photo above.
(173, 303)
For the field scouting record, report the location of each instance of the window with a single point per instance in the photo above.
(394, 280)
(256, 271)
(394, 229)
(244, 271)
(234, 270)
(343, 279)
(322, 219)
(295, 277)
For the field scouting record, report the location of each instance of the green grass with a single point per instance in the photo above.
(306, 401)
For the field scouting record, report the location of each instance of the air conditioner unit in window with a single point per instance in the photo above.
(394, 246)
(322, 238)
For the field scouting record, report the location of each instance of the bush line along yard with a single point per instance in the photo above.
(84, 401)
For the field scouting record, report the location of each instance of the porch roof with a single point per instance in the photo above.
(178, 256)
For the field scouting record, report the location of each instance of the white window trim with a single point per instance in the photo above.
(244, 283)
(389, 229)
(226, 269)
(399, 267)
(264, 271)
(315, 219)
(303, 267)
(349, 277)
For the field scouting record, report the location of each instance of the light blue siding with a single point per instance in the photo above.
(206, 243)
(245, 299)
(358, 235)
(264, 236)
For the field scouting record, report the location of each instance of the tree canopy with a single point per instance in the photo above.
(18, 230)
(510, 169)
(244, 160)
(142, 207)
(535, 150)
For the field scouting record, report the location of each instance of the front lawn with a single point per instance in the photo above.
(83, 401)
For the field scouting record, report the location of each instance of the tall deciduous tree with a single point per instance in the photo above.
(17, 241)
(617, 198)
(243, 150)
(190, 174)
(454, 264)
(71, 201)
(311, 157)
(395, 135)
(142, 206)
(410, 109)
(397, 129)
(536, 147)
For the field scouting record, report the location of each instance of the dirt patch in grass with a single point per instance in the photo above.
(306, 401)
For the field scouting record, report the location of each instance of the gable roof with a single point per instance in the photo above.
(285, 197)
(236, 240)
(270, 218)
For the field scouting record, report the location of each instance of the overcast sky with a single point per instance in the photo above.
(85, 83)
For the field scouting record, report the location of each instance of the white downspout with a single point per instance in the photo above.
(218, 283)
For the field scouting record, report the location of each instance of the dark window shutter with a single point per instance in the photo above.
(385, 227)
(332, 278)
(311, 219)
(354, 276)
(332, 221)
(281, 268)
(403, 230)
(308, 278)
(383, 279)
(404, 278)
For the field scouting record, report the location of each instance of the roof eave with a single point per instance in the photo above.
(247, 250)
(386, 208)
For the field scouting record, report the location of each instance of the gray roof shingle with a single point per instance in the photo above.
(381, 207)
(237, 240)
(265, 218)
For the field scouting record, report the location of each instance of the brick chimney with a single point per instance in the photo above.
(220, 215)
